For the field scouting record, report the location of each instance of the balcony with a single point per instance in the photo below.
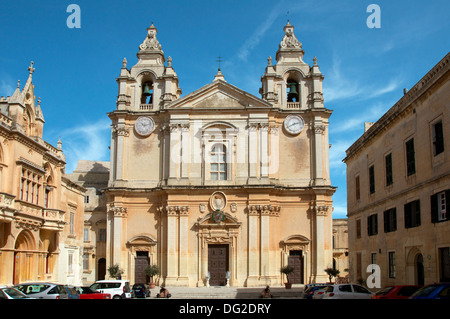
(29, 215)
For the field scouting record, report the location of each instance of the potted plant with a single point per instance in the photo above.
(152, 271)
(331, 272)
(287, 270)
(115, 271)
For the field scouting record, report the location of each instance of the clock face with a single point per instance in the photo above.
(144, 125)
(294, 124)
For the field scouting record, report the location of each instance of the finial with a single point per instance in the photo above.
(315, 61)
(30, 68)
(39, 101)
(169, 62)
(18, 84)
(59, 144)
(269, 61)
(124, 63)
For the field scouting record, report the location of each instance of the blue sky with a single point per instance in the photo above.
(365, 69)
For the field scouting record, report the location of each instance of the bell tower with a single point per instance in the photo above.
(149, 85)
(292, 83)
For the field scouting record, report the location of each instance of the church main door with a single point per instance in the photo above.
(296, 261)
(218, 264)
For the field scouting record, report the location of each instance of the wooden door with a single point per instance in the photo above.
(218, 264)
(296, 260)
(140, 263)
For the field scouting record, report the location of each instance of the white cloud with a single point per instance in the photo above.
(340, 87)
(88, 141)
(258, 34)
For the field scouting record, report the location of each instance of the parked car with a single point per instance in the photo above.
(43, 290)
(118, 289)
(347, 291)
(434, 291)
(309, 291)
(12, 293)
(72, 293)
(396, 292)
(91, 293)
(141, 290)
(319, 293)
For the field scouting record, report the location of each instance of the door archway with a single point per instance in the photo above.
(23, 258)
(420, 274)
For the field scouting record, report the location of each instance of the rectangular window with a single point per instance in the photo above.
(388, 161)
(72, 223)
(412, 214)
(86, 199)
(439, 206)
(390, 220)
(85, 261)
(372, 225)
(70, 264)
(357, 188)
(410, 158)
(102, 234)
(438, 138)
(86, 234)
(358, 228)
(372, 179)
(391, 257)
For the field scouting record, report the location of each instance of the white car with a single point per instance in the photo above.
(347, 291)
(118, 289)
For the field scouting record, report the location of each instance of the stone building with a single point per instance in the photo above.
(93, 176)
(398, 187)
(220, 184)
(340, 246)
(41, 211)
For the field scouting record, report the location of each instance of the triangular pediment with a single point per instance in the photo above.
(219, 94)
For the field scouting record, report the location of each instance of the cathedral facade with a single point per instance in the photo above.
(220, 186)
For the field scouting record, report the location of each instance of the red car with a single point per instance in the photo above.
(396, 292)
(90, 293)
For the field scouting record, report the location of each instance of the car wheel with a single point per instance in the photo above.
(117, 297)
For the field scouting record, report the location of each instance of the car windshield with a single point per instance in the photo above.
(425, 291)
(32, 289)
(383, 291)
(13, 293)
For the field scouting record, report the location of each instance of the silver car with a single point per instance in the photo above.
(12, 293)
(42, 290)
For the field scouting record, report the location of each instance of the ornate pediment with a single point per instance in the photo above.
(219, 94)
(218, 219)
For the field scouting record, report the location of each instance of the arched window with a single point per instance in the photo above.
(218, 162)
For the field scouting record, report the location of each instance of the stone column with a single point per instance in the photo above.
(121, 132)
(252, 150)
(172, 256)
(253, 253)
(117, 228)
(183, 278)
(185, 151)
(265, 240)
(321, 260)
(318, 164)
(174, 152)
(264, 150)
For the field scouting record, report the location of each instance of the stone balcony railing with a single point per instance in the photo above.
(38, 217)
(146, 107)
(6, 207)
(293, 105)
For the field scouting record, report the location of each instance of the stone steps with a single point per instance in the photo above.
(230, 292)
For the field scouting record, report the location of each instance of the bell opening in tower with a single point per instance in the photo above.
(292, 91)
(147, 93)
